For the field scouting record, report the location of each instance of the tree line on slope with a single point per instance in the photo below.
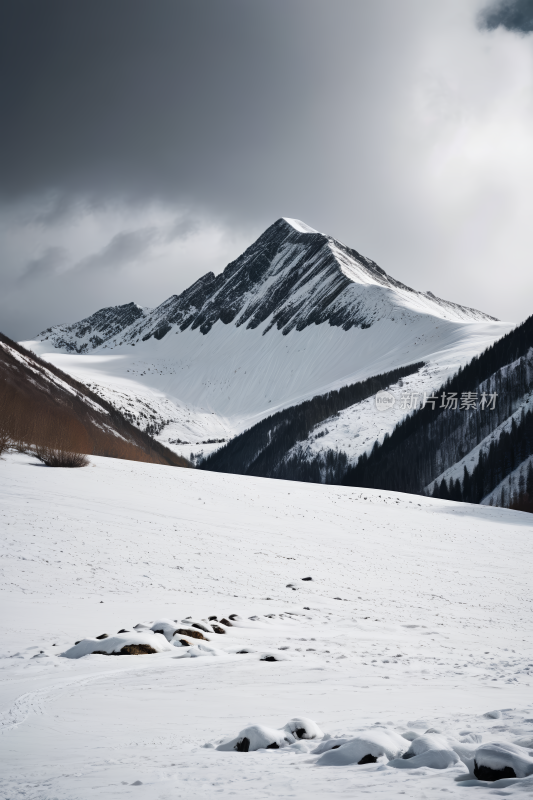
(504, 455)
(428, 442)
(263, 449)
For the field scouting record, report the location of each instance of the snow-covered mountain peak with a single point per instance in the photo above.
(299, 226)
(297, 314)
(291, 277)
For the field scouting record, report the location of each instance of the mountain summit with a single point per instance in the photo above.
(298, 314)
(291, 277)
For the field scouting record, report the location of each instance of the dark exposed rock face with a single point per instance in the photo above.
(100, 327)
(128, 650)
(200, 627)
(192, 632)
(218, 629)
(102, 636)
(243, 746)
(368, 759)
(136, 650)
(484, 773)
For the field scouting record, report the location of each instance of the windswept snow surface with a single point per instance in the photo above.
(416, 623)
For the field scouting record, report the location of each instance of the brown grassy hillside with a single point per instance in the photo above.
(43, 407)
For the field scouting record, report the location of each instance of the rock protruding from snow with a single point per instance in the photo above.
(257, 737)
(365, 749)
(120, 644)
(165, 626)
(303, 728)
(496, 760)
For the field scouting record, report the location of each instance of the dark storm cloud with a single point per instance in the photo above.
(183, 228)
(45, 264)
(514, 15)
(124, 248)
(174, 100)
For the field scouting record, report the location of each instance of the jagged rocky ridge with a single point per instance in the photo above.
(290, 277)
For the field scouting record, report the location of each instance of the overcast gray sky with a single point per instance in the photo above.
(143, 144)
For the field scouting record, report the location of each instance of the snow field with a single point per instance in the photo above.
(416, 623)
(203, 387)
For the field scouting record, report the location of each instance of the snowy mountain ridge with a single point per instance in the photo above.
(296, 315)
(290, 278)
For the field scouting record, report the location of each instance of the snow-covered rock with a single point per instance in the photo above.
(303, 728)
(167, 627)
(365, 749)
(120, 644)
(496, 760)
(257, 737)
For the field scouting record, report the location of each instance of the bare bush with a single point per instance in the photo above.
(4, 442)
(61, 458)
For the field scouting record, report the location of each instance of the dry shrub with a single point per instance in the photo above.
(61, 458)
(64, 442)
(4, 443)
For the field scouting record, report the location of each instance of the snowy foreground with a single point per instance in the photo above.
(417, 619)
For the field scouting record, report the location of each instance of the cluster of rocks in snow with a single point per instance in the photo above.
(489, 761)
(163, 635)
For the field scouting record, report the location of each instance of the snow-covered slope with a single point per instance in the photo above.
(413, 622)
(297, 314)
